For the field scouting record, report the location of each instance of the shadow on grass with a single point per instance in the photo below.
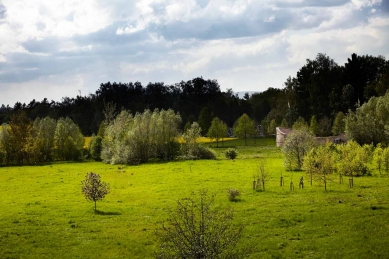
(107, 213)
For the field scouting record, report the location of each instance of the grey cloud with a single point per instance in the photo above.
(384, 7)
(311, 3)
(203, 3)
(246, 25)
(3, 12)
(108, 36)
(46, 45)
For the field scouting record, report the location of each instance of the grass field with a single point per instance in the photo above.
(43, 213)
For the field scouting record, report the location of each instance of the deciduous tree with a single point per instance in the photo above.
(244, 127)
(218, 130)
(297, 144)
(367, 124)
(320, 162)
(68, 140)
(93, 188)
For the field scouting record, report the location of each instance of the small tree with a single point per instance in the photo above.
(295, 147)
(323, 160)
(378, 157)
(93, 188)
(218, 130)
(244, 127)
(196, 230)
(284, 123)
(262, 174)
(300, 124)
(272, 127)
(313, 127)
(339, 124)
(353, 160)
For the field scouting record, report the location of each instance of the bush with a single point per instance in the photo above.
(198, 152)
(196, 229)
(233, 194)
(231, 153)
(169, 151)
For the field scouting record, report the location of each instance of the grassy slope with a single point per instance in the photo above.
(44, 215)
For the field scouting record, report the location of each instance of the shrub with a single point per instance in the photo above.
(199, 152)
(233, 194)
(231, 153)
(196, 229)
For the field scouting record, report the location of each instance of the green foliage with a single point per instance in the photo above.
(272, 127)
(367, 124)
(233, 194)
(313, 127)
(93, 188)
(43, 140)
(300, 124)
(325, 126)
(137, 139)
(191, 149)
(95, 146)
(68, 140)
(284, 123)
(231, 153)
(353, 159)
(320, 162)
(19, 132)
(114, 147)
(385, 158)
(244, 127)
(296, 146)
(43, 132)
(205, 119)
(218, 130)
(378, 157)
(265, 123)
(196, 229)
(339, 124)
(5, 145)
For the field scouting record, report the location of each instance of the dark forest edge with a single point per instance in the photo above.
(321, 88)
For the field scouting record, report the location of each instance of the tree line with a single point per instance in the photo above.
(23, 141)
(320, 89)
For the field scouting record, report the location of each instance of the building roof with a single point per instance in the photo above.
(283, 131)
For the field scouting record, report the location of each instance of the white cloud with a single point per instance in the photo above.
(39, 19)
(244, 44)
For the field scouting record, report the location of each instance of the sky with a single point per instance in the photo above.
(64, 48)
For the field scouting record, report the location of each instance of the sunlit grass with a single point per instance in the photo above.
(206, 140)
(43, 213)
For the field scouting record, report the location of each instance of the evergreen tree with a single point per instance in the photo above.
(313, 128)
(339, 124)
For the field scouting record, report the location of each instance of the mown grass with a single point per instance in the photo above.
(43, 213)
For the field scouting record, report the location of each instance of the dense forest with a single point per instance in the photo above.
(321, 88)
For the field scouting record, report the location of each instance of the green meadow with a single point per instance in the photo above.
(43, 213)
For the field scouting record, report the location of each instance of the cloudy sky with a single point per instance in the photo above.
(62, 48)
